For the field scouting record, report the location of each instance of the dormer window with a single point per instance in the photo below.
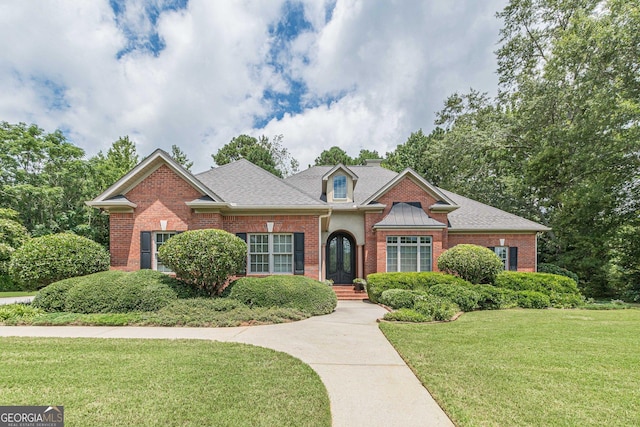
(339, 187)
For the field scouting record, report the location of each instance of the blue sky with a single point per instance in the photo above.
(356, 73)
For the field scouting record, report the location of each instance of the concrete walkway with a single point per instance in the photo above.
(368, 383)
(15, 300)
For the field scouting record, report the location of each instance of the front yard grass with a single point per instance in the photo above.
(119, 382)
(9, 294)
(529, 367)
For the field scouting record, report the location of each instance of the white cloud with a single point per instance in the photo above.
(388, 67)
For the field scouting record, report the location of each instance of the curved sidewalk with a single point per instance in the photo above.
(368, 382)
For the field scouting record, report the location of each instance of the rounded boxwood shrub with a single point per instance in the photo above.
(298, 292)
(47, 259)
(399, 298)
(494, 298)
(465, 297)
(204, 258)
(476, 264)
(407, 315)
(532, 299)
(118, 292)
(436, 307)
(377, 283)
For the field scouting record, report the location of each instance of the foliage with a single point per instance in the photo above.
(204, 258)
(554, 269)
(494, 298)
(380, 282)
(606, 305)
(540, 282)
(179, 156)
(473, 263)
(407, 315)
(117, 292)
(336, 155)
(533, 299)
(7, 284)
(399, 298)
(435, 307)
(13, 314)
(297, 292)
(464, 296)
(53, 298)
(271, 156)
(47, 259)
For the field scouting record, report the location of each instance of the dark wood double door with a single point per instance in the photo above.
(341, 259)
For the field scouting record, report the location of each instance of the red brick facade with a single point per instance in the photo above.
(163, 194)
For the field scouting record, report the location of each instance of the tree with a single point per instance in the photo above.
(333, 156)
(180, 157)
(269, 155)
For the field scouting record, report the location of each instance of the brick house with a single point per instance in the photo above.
(326, 222)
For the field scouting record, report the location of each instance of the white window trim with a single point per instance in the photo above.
(270, 254)
(154, 259)
(346, 187)
(506, 257)
(418, 244)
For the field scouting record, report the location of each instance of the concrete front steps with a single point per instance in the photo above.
(346, 293)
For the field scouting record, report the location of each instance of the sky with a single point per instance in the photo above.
(358, 74)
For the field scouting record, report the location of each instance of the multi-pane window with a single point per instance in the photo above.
(159, 240)
(503, 254)
(270, 253)
(339, 187)
(408, 253)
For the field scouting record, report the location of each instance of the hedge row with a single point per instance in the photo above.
(297, 292)
(112, 292)
(377, 283)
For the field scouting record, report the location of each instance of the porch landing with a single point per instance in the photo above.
(346, 293)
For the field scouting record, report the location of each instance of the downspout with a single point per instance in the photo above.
(535, 264)
(320, 218)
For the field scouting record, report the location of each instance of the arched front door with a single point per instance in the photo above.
(341, 258)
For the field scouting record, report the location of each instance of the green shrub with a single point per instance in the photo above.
(118, 292)
(473, 263)
(407, 315)
(539, 282)
(464, 296)
(494, 298)
(297, 292)
(7, 284)
(205, 258)
(398, 298)
(566, 300)
(532, 299)
(12, 314)
(436, 307)
(181, 288)
(554, 269)
(53, 298)
(377, 283)
(47, 259)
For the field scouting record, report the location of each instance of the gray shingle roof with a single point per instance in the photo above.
(245, 184)
(370, 180)
(472, 215)
(407, 216)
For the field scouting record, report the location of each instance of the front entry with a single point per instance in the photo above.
(341, 259)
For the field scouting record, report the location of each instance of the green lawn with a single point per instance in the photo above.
(529, 367)
(16, 294)
(114, 382)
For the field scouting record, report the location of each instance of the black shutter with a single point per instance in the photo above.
(298, 253)
(493, 249)
(513, 258)
(145, 249)
(243, 236)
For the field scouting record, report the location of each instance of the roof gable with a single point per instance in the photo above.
(145, 168)
(443, 201)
